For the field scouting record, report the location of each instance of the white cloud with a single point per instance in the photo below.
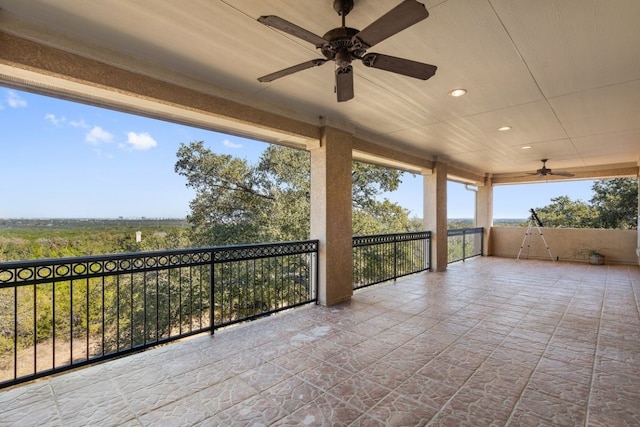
(230, 144)
(59, 121)
(15, 101)
(97, 135)
(79, 124)
(140, 141)
(51, 118)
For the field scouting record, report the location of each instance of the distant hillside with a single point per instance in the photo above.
(87, 223)
(460, 223)
(22, 239)
(509, 222)
(498, 222)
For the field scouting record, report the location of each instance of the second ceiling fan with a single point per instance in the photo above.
(343, 45)
(544, 171)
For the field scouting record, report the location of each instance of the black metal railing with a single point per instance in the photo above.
(58, 314)
(383, 257)
(464, 243)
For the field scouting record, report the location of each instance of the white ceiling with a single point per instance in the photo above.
(564, 74)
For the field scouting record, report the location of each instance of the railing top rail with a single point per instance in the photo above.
(61, 269)
(126, 255)
(245, 252)
(461, 231)
(389, 238)
(408, 233)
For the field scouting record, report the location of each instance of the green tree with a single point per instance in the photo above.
(613, 205)
(237, 202)
(566, 213)
(381, 217)
(284, 173)
(415, 224)
(226, 195)
(370, 214)
(616, 203)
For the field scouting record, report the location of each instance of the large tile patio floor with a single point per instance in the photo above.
(488, 342)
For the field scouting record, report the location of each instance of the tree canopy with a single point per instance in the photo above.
(566, 213)
(613, 205)
(238, 202)
(616, 202)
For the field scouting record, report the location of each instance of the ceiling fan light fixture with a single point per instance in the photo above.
(457, 92)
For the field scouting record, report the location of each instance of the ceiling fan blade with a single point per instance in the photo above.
(402, 66)
(290, 28)
(344, 83)
(282, 73)
(397, 19)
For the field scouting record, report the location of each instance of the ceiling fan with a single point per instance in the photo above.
(544, 171)
(344, 44)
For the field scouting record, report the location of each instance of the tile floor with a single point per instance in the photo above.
(488, 342)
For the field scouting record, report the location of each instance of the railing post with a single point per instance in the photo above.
(395, 257)
(429, 254)
(464, 244)
(425, 253)
(314, 275)
(212, 298)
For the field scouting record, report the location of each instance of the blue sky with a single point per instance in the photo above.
(67, 160)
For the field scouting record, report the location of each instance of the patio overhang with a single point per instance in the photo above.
(567, 93)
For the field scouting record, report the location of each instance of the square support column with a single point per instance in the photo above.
(638, 229)
(435, 215)
(484, 212)
(331, 205)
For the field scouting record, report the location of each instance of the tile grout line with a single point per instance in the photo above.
(539, 360)
(595, 358)
(483, 361)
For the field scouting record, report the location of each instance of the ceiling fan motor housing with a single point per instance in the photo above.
(343, 7)
(340, 46)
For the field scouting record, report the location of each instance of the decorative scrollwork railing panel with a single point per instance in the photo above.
(57, 314)
(382, 257)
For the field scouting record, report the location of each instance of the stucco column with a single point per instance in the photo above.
(638, 228)
(435, 214)
(331, 190)
(484, 212)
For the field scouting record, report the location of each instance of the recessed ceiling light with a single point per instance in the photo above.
(526, 147)
(457, 92)
(504, 128)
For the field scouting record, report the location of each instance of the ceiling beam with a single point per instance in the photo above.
(603, 172)
(23, 59)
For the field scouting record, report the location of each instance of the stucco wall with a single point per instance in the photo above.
(618, 246)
